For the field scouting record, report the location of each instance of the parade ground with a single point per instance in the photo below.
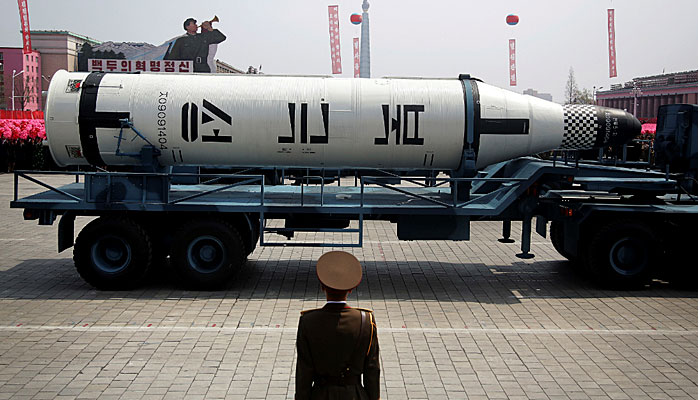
(456, 320)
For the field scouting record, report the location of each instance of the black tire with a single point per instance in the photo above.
(112, 253)
(682, 268)
(622, 254)
(556, 235)
(207, 253)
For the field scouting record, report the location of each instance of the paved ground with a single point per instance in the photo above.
(456, 320)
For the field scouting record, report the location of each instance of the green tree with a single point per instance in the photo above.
(571, 88)
(574, 95)
(584, 96)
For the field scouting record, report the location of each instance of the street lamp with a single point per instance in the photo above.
(636, 91)
(14, 75)
(595, 91)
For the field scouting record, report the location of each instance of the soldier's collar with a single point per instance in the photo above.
(336, 305)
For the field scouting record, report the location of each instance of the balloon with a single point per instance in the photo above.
(512, 19)
(356, 19)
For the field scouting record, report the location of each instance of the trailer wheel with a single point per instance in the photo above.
(207, 253)
(622, 254)
(112, 253)
(556, 234)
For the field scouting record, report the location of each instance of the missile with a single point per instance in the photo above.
(312, 122)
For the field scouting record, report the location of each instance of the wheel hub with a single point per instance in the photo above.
(206, 254)
(111, 254)
(629, 256)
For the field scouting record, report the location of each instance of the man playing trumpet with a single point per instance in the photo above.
(195, 46)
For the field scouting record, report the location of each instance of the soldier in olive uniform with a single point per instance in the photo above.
(194, 46)
(337, 348)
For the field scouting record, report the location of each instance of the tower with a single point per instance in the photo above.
(364, 42)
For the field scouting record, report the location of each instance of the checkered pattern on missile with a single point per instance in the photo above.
(580, 124)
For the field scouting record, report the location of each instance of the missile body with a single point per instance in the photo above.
(317, 122)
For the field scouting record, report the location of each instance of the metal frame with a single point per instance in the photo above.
(504, 200)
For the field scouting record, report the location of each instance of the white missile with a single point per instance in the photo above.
(317, 122)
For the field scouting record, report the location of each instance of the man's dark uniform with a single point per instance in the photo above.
(337, 352)
(195, 48)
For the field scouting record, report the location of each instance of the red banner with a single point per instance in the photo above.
(611, 43)
(356, 55)
(24, 18)
(334, 31)
(511, 58)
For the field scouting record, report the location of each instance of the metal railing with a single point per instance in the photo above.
(210, 186)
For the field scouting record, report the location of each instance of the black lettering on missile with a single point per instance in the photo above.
(503, 126)
(184, 129)
(190, 127)
(177, 152)
(190, 123)
(194, 124)
(415, 140)
(394, 124)
(425, 159)
(206, 118)
(216, 111)
(304, 136)
(322, 139)
(216, 138)
(292, 118)
(304, 114)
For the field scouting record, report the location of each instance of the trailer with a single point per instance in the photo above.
(625, 226)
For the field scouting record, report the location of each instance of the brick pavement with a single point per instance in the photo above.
(456, 320)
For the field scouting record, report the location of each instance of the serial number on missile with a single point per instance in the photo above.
(161, 121)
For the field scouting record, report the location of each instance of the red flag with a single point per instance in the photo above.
(611, 43)
(24, 18)
(334, 31)
(511, 58)
(356, 55)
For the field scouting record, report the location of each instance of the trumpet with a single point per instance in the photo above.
(215, 19)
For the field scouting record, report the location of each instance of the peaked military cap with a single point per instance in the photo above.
(339, 270)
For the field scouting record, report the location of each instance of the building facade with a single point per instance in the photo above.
(643, 96)
(59, 50)
(20, 79)
(224, 68)
(535, 93)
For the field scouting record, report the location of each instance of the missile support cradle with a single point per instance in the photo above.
(206, 230)
(618, 223)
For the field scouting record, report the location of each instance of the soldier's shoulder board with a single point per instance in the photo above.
(308, 311)
(363, 309)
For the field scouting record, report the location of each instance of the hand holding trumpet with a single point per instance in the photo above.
(206, 25)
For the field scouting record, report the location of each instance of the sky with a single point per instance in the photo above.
(440, 38)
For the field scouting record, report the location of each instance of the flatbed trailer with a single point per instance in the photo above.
(617, 222)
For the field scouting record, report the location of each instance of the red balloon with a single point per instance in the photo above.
(512, 19)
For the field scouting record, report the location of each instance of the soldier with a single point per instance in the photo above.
(194, 46)
(337, 348)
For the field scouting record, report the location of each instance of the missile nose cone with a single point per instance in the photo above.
(616, 127)
(589, 126)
